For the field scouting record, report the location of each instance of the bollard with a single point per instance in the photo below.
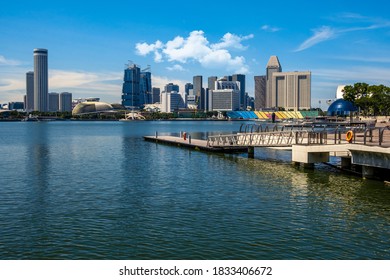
(156, 134)
(189, 138)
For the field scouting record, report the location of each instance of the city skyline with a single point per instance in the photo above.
(339, 43)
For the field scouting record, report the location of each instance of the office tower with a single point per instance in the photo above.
(54, 102)
(241, 78)
(65, 102)
(155, 95)
(171, 102)
(211, 82)
(260, 92)
(198, 90)
(41, 84)
(131, 87)
(273, 66)
(171, 87)
(225, 96)
(187, 88)
(292, 90)
(137, 85)
(29, 105)
(145, 85)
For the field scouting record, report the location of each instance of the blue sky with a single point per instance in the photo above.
(89, 42)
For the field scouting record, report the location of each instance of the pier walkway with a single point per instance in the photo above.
(368, 148)
(196, 144)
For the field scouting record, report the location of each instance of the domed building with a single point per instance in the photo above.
(341, 107)
(91, 107)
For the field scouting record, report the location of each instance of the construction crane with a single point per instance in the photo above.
(147, 69)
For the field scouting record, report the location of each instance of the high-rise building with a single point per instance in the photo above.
(65, 102)
(241, 78)
(29, 105)
(187, 88)
(225, 96)
(131, 86)
(171, 102)
(260, 92)
(136, 85)
(211, 82)
(273, 66)
(171, 87)
(155, 95)
(54, 102)
(198, 90)
(41, 84)
(292, 90)
(145, 84)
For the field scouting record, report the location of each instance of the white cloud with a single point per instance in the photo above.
(8, 62)
(197, 48)
(324, 33)
(232, 41)
(222, 58)
(161, 81)
(270, 28)
(144, 48)
(371, 75)
(107, 86)
(176, 67)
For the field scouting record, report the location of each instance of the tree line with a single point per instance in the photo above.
(372, 100)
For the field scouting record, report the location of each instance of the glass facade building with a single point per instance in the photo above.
(137, 86)
(241, 78)
(29, 106)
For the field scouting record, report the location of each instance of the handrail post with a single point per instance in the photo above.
(381, 130)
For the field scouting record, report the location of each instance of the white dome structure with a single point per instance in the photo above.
(91, 108)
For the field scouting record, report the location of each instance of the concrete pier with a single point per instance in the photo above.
(195, 144)
(369, 158)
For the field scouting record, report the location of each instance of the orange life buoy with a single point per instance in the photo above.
(349, 136)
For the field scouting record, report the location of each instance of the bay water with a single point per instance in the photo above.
(97, 190)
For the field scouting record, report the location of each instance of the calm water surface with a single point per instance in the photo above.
(97, 190)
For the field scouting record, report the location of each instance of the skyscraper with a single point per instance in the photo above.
(292, 90)
(171, 87)
(131, 86)
(136, 85)
(198, 90)
(187, 88)
(29, 91)
(145, 84)
(65, 102)
(241, 78)
(225, 96)
(211, 82)
(273, 66)
(54, 102)
(260, 92)
(155, 95)
(41, 84)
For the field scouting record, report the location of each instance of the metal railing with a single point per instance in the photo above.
(257, 136)
(269, 139)
(369, 134)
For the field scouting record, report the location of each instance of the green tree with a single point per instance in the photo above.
(371, 99)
